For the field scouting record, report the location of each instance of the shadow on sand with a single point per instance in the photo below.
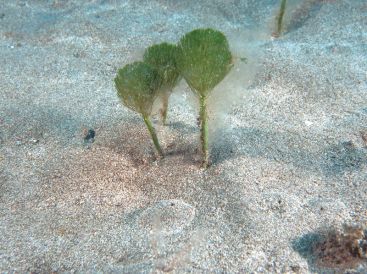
(330, 160)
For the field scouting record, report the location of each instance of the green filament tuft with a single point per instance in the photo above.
(137, 86)
(204, 59)
(162, 58)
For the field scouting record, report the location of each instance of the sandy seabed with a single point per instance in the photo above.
(288, 140)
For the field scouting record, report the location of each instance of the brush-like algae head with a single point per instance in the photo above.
(137, 86)
(162, 58)
(204, 59)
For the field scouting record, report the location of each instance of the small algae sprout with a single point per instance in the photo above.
(162, 58)
(203, 59)
(279, 18)
(137, 86)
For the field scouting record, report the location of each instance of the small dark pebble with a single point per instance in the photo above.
(2, 15)
(79, 54)
(89, 135)
(348, 144)
(243, 59)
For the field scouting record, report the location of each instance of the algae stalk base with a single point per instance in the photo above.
(165, 98)
(204, 131)
(280, 17)
(153, 135)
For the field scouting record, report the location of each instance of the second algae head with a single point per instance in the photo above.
(204, 59)
(162, 58)
(137, 86)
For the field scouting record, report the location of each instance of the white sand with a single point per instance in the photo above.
(286, 145)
